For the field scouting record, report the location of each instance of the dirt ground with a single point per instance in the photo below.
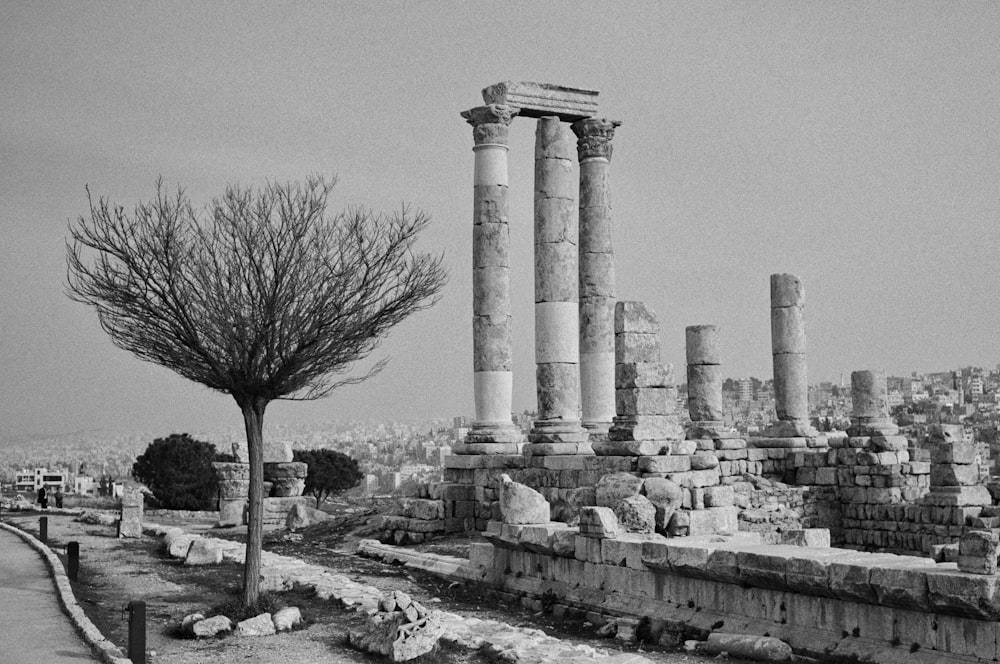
(115, 571)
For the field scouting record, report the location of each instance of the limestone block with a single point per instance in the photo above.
(708, 521)
(298, 518)
(721, 496)
(977, 552)
(231, 511)
(786, 291)
(277, 451)
(556, 272)
(491, 342)
(959, 452)
(644, 374)
(850, 576)
(958, 495)
(814, 537)
(636, 514)
(633, 347)
(889, 443)
(597, 278)
(564, 542)
(645, 401)
(630, 447)
(635, 317)
(943, 474)
(945, 433)
(599, 522)
(696, 478)
(788, 330)
(972, 595)
(520, 504)
(666, 498)
(704, 460)
(683, 447)
(705, 392)
(664, 464)
(764, 567)
(491, 290)
(702, 344)
(902, 584)
(589, 549)
(204, 551)
(179, 545)
(808, 571)
(646, 427)
(613, 488)
(791, 387)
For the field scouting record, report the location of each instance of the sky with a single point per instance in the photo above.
(854, 144)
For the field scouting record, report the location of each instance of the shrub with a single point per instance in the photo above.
(178, 470)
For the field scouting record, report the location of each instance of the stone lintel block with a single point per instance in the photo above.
(665, 464)
(644, 374)
(634, 347)
(557, 273)
(491, 342)
(597, 274)
(278, 451)
(646, 427)
(285, 470)
(702, 344)
(636, 448)
(946, 474)
(536, 100)
(631, 316)
(786, 291)
(491, 245)
(960, 452)
(958, 593)
(645, 401)
(788, 330)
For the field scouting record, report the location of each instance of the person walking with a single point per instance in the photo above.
(42, 498)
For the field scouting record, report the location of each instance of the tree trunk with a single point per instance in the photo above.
(253, 418)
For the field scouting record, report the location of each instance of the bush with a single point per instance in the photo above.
(178, 470)
(330, 472)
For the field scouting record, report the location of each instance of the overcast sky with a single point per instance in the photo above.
(855, 144)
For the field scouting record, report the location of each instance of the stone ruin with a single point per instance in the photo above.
(284, 483)
(794, 533)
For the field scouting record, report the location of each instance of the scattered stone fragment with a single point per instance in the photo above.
(189, 621)
(212, 626)
(760, 648)
(521, 504)
(287, 618)
(298, 518)
(204, 551)
(261, 625)
(637, 514)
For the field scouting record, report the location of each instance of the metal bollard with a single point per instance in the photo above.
(43, 529)
(135, 613)
(73, 560)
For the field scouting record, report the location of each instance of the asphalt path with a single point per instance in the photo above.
(33, 627)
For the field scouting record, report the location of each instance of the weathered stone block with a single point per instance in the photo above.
(634, 347)
(644, 374)
(599, 522)
(665, 464)
(635, 317)
(958, 452)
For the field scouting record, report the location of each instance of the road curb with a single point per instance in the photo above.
(108, 651)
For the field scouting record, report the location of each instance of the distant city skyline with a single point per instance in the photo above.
(853, 144)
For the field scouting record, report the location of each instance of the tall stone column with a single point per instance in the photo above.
(557, 343)
(704, 375)
(788, 349)
(597, 275)
(492, 432)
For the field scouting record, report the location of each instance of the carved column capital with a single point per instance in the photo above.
(594, 137)
(490, 123)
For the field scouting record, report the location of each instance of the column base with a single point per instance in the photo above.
(487, 448)
(714, 429)
(597, 431)
(558, 431)
(554, 449)
(790, 429)
(863, 426)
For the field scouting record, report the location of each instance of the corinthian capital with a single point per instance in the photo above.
(490, 123)
(594, 137)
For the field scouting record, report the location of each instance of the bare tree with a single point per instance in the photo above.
(262, 296)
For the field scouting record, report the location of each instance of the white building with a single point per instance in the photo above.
(33, 480)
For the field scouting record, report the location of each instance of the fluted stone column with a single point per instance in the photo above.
(492, 432)
(557, 343)
(788, 348)
(704, 375)
(597, 275)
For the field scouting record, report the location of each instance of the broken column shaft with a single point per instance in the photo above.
(788, 348)
(492, 432)
(557, 429)
(704, 375)
(597, 275)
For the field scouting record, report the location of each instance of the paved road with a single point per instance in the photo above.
(33, 627)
